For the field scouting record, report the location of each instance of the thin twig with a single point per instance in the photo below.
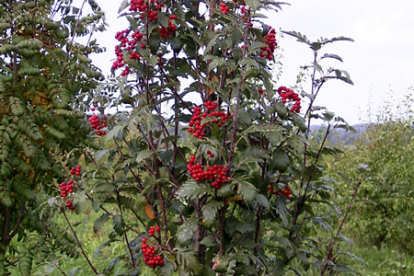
(123, 225)
(78, 241)
(175, 182)
(236, 111)
(333, 243)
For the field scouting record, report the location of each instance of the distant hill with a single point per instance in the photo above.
(342, 136)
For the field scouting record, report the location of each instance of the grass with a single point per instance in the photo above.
(83, 225)
(381, 262)
(378, 262)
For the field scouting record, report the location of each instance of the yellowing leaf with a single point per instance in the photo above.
(234, 198)
(213, 79)
(148, 210)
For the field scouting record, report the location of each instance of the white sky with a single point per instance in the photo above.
(380, 60)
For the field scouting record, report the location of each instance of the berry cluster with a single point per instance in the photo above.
(216, 174)
(289, 95)
(153, 229)
(210, 105)
(69, 205)
(150, 258)
(270, 40)
(224, 8)
(97, 125)
(195, 123)
(76, 170)
(148, 9)
(166, 32)
(141, 6)
(65, 189)
(209, 153)
(286, 192)
(128, 45)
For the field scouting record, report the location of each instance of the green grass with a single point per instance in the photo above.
(379, 262)
(83, 225)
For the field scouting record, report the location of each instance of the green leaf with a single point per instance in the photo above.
(299, 36)
(352, 256)
(321, 222)
(114, 131)
(98, 251)
(142, 155)
(99, 222)
(185, 231)
(191, 190)
(210, 44)
(281, 159)
(123, 6)
(262, 201)
(25, 263)
(234, 225)
(246, 190)
(253, 4)
(208, 241)
(118, 224)
(251, 155)
(210, 211)
(332, 56)
(281, 210)
(74, 271)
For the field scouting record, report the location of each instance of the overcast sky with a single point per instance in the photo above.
(379, 61)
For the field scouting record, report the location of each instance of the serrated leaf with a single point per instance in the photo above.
(142, 155)
(253, 4)
(246, 190)
(262, 201)
(211, 43)
(210, 211)
(299, 36)
(185, 231)
(234, 225)
(74, 271)
(332, 56)
(281, 159)
(99, 222)
(281, 210)
(114, 132)
(192, 190)
(101, 153)
(123, 6)
(352, 256)
(321, 222)
(118, 224)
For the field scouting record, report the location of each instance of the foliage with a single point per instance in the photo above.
(215, 174)
(383, 214)
(44, 77)
(222, 175)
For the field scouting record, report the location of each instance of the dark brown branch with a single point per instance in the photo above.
(19, 220)
(257, 233)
